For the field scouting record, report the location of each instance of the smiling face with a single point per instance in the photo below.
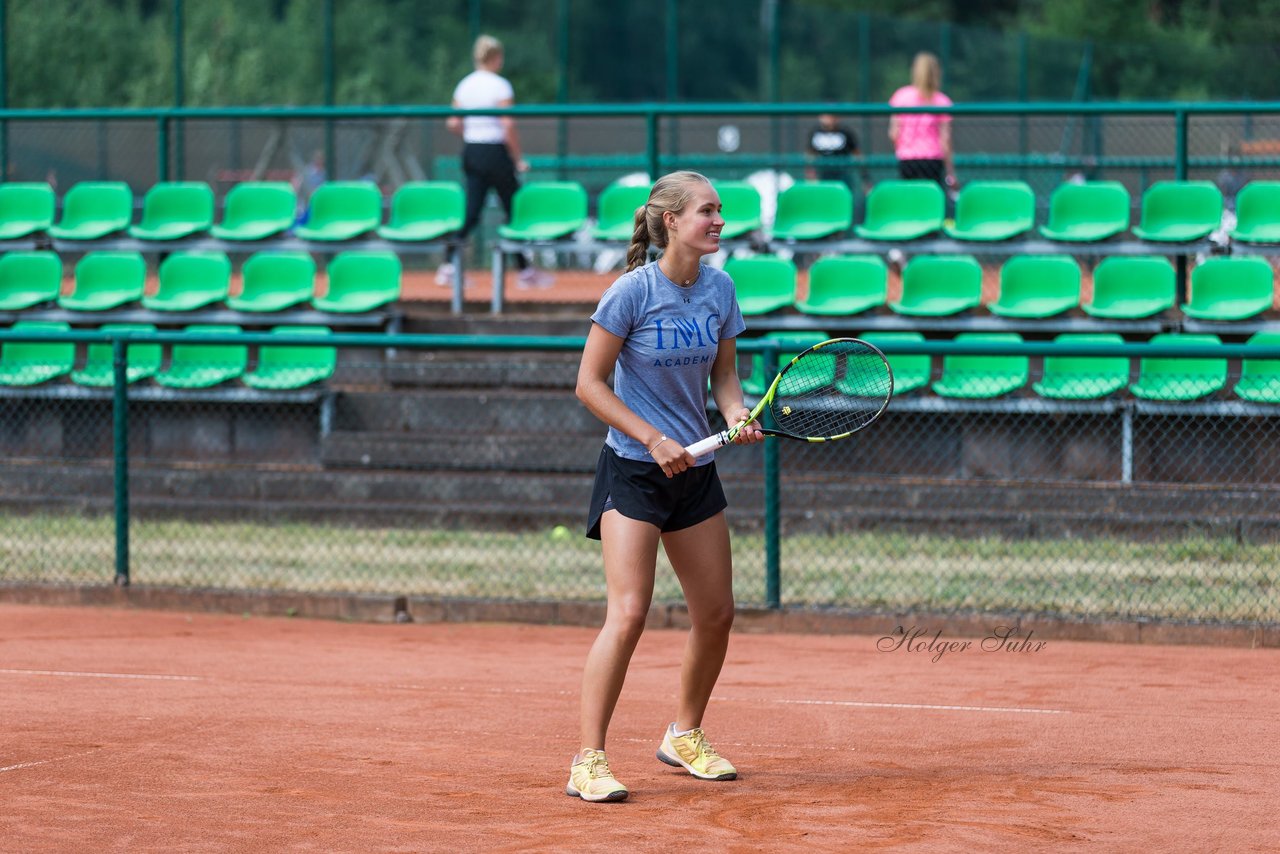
(696, 228)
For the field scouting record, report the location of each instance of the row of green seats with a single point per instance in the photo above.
(898, 211)
(1172, 211)
(279, 367)
(271, 280)
(1031, 286)
(174, 210)
(1064, 377)
(987, 211)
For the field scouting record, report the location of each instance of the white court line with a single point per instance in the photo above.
(39, 762)
(90, 675)
(930, 707)
(862, 704)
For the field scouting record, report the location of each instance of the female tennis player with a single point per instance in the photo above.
(662, 329)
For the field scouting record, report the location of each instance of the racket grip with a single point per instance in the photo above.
(710, 443)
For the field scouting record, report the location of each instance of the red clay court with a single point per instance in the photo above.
(134, 730)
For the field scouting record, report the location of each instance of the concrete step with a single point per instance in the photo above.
(468, 451)
(471, 369)
(479, 410)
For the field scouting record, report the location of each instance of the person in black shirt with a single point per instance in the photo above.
(830, 145)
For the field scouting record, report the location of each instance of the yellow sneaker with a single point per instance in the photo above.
(591, 779)
(692, 753)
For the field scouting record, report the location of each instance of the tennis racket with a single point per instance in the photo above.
(828, 392)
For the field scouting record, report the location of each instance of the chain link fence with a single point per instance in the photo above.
(465, 472)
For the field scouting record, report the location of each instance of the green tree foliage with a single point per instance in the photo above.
(119, 53)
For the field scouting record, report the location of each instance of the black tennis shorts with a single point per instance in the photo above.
(640, 490)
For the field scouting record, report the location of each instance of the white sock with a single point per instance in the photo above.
(677, 733)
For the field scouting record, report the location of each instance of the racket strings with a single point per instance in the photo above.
(832, 391)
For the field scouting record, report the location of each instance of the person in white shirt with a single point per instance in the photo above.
(491, 154)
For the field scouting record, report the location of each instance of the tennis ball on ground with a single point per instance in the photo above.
(560, 532)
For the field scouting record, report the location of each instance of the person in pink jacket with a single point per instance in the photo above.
(922, 141)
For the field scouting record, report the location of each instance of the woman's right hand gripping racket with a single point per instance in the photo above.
(828, 392)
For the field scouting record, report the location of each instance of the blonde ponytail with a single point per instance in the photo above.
(638, 251)
(670, 193)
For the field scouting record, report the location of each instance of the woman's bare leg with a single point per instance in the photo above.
(630, 554)
(702, 560)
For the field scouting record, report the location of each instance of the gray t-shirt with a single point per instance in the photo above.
(671, 337)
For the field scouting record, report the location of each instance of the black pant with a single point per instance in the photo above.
(488, 166)
(933, 170)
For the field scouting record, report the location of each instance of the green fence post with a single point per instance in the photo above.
(673, 74)
(651, 144)
(120, 440)
(772, 498)
(4, 87)
(330, 164)
(1180, 118)
(179, 87)
(864, 79)
(1180, 173)
(1024, 142)
(162, 147)
(562, 89)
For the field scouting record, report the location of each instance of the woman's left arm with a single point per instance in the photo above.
(726, 388)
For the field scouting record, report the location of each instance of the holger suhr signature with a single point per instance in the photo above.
(916, 639)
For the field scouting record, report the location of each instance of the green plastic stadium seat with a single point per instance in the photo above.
(939, 285)
(1178, 211)
(616, 214)
(172, 210)
(740, 206)
(204, 365)
(993, 210)
(845, 285)
(25, 209)
(26, 363)
(29, 279)
(971, 376)
(764, 283)
(190, 281)
(1230, 289)
(99, 367)
(106, 280)
(274, 281)
(903, 210)
(1130, 287)
(546, 210)
(812, 210)
(282, 366)
(1258, 213)
(911, 371)
(1083, 213)
(425, 210)
(1178, 379)
(361, 281)
(256, 210)
(342, 210)
(1071, 377)
(1260, 378)
(793, 344)
(94, 209)
(1037, 286)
